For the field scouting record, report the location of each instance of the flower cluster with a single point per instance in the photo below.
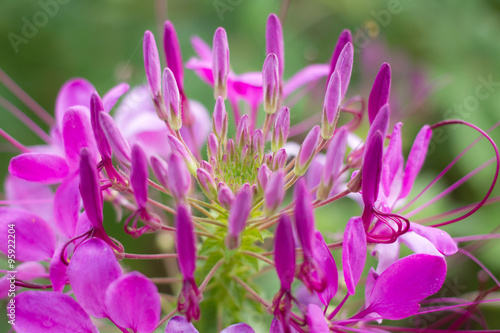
(229, 209)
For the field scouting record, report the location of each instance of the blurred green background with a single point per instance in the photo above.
(441, 53)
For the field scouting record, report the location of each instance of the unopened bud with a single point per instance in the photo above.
(331, 106)
(220, 63)
(270, 84)
(172, 100)
(281, 128)
(307, 151)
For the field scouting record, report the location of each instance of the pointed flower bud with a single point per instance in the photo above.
(271, 83)
(304, 217)
(242, 132)
(275, 191)
(231, 151)
(96, 106)
(160, 170)
(279, 160)
(344, 67)
(207, 183)
(219, 120)
(344, 38)
(274, 41)
(220, 63)
(238, 216)
(331, 106)
(185, 242)
(284, 252)
(281, 128)
(208, 167)
(180, 148)
(225, 196)
(172, 100)
(371, 173)
(307, 151)
(173, 54)
(212, 145)
(379, 95)
(178, 177)
(334, 159)
(258, 143)
(139, 175)
(90, 189)
(152, 64)
(263, 176)
(115, 138)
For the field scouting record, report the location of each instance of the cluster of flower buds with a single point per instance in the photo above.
(236, 226)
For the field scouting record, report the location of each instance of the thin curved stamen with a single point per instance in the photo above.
(85, 235)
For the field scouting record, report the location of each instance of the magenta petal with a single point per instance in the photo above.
(325, 260)
(74, 92)
(284, 252)
(133, 302)
(439, 238)
(372, 169)
(316, 320)
(39, 167)
(67, 205)
(304, 217)
(113, 95)
(50, 311)
(353, 253)
(277, 327)
(306, 75)
(392, 168)
(173, 54)
(139, 176)
(91, 270)
(180, 324)
(185, 242)
(379, 94)
(400, 287)
(416, 159)
(27, 271)
(35, 239)
(77, 133)
(57, 270)
(238, 328)
(23, 194)
(90, 189)
(344, 67)
(344, 38)
(274, 41)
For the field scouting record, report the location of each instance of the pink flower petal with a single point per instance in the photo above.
(35, 239)
(325, 260)
(50, 311)
(133, 302)
(91, 270)
(113, 95)
(238, 328)
(39, 167)
(27, 271)
(353, 253)
(58, 270)
(398, 290)
(67, 205)
(180, 324)
(25, 194)
(316, 320)
(74, 92)
(439, 238)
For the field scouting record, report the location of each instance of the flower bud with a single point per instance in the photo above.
(242, 132)
(172, 100)
(115, 138)
(344, 67)
(231, 151)
(219, 120)
(258, 143)
(212, 145)
(344, 38)
(263, 176)
(275, 191)
(220, 63)
(331, 106)
(334, 159)
(307, 151)
(139, 175)
(271, 84)
(160, 170)
(173, 54)
(225, 196)
(284, 252)
(238, 215)
(96, 106)
(207, 166)
(152, 64)
(185, 241)
(178, 176)
(207, 183)
(180, 148)
(379, 95)
(304, 217)
(281, 128)
(279, 159)
(274, 41)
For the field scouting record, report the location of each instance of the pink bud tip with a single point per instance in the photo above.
(281, 128)
(379, 95)
(274, 41)
(271, 83)
(307, 151)
(152, 64)
(220, 62)
(172, 100)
